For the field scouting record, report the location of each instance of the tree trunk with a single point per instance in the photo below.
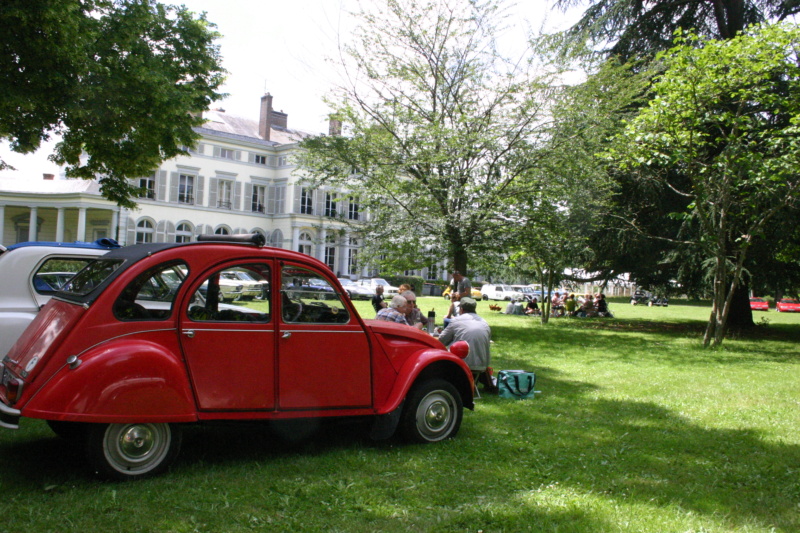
(741, 316)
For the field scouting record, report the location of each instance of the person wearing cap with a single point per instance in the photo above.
(470, 327)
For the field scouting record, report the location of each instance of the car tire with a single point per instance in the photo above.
(433, 412)
(132, 451)
(485, 297)
(67, 430)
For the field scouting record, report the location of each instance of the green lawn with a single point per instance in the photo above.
(636, 429)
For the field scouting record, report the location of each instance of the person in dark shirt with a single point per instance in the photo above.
(377, 300)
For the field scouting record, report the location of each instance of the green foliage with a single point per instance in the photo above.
(628, 29)
(440, 128)
(722, 132)
(415, 281)
(122, 82)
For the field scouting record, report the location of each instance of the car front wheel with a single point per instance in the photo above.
(432, 413)
(132, 451)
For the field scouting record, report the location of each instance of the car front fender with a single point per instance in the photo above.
(122, 380)
(429, 364)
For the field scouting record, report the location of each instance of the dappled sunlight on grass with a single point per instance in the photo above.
(637, 428)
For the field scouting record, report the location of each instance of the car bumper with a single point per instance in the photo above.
(9, 417)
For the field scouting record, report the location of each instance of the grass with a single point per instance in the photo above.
(636, 429)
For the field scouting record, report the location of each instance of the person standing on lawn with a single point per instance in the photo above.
(377, 299)
(461, 288)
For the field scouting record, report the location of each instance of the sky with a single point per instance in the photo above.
(280, 47)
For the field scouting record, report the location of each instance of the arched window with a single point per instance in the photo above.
(305, 243)
(276, 239)
(222, 230)
(144, 231)
(184, 232)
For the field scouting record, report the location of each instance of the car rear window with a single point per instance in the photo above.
(92, 276)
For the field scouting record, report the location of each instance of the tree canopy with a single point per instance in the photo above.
(631, 28)
(725, 116)
(441, 127)
(122, 82)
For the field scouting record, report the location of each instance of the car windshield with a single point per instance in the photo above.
(381, 281)
(347, 282)
(756, 299)
(92, 276)
(788, 301)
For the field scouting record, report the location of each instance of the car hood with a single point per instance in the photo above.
(29, 354)
(400, 341)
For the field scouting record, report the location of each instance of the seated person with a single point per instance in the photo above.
(533, 307)
(510, 307)
(414, 316)
(587, 308)
(570, 305)
(602, 306)
(469, 327)
(557, 304)
(396, 312)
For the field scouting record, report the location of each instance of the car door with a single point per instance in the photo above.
(323, 352)
(230, 347)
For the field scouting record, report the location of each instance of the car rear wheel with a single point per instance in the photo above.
(132, 451)
(432, 413)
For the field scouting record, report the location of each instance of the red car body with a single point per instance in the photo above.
(759, 304)
(787, 305)
(130, 351)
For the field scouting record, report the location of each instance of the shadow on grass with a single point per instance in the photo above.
(514, 463)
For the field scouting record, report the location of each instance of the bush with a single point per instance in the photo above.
(414, 281)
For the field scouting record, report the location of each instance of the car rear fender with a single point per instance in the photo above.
(118, 381)
(426, 365)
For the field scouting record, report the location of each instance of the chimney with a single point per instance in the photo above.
(265, 118)
(48, 176)
(334, 126)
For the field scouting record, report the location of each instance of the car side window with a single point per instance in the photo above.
(152, 294)
(55, 272)
(308, 298)
(240, 293)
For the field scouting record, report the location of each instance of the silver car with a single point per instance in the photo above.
(29, 272)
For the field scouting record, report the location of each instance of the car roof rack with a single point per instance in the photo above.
(242, 238)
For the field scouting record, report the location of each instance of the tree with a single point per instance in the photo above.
(633, 28)
(726, 113)
(440, 128)
(638, 236)
(123, 82)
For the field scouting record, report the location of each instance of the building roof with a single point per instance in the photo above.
(217, 120)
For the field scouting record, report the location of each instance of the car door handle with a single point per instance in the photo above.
(188, 332)
(286, 334)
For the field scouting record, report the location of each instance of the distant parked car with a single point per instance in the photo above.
(475, 293)
(499, 292)
(251, 287)
(658, 301)
(759, 304)
(527, 292)
(356, 291)
(31, 273)
(787, 305)
(371, 283)
(641, 297)
(52, 280)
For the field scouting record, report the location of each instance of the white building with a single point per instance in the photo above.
(238, 179)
